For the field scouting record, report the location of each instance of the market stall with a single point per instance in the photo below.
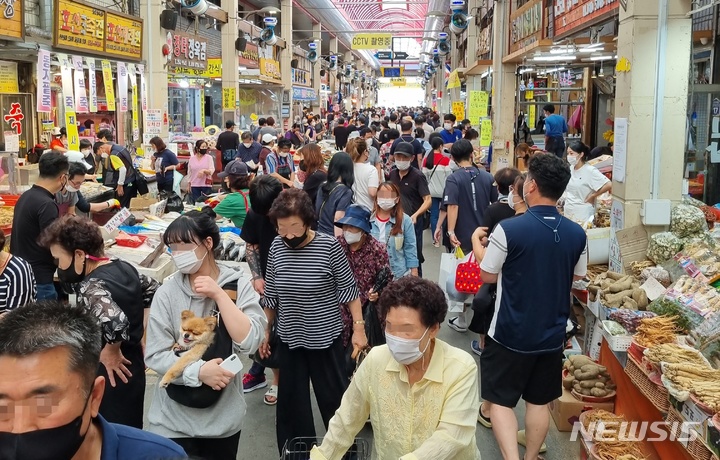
(656, 330)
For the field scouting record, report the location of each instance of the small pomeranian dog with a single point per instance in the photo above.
(196, 335)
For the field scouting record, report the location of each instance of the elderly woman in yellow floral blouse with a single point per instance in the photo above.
(420, 392)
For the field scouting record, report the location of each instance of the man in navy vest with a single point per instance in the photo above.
(534, 259)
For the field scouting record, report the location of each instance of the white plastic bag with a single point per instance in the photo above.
(177, 180)
(446, 280)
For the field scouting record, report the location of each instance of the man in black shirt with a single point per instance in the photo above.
(259, 232)
(414, 192)
(36, 210)
(407, 137)
(228, 143)
(500, 210)
(341, 133)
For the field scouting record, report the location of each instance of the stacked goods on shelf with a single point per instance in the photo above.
(587, 378)
(618, 291)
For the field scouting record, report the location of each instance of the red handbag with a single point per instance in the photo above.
(467, 276)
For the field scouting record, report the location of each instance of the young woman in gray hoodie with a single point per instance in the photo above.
(212, 432)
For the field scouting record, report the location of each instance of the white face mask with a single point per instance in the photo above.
(572, 160)
(86, 152)
(104, 155)
(284, 154)
(247, 144)
(511, 198)
(448, 126)
(402, 165)
(71, 189)
(406, 351)
(369, 142)
(187, 262)
(352, 237)
(386, 203)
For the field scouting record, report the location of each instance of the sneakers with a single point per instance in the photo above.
(475, 346)
(458, 323)
(253, 382)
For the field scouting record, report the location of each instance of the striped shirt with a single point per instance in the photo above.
(307, 286)
(17, 284)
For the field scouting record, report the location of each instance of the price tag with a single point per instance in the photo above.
(116, 221)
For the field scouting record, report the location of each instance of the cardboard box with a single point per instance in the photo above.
(566, 410)
(142, 204)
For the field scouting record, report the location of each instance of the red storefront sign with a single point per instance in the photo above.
(573, 15)
(250, 57)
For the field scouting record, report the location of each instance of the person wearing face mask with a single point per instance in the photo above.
(281, 165)
(70, 199)
(313, 165)
(408, 137)
(366, 176)
(420, 393)
(367, 257)
(335, 195)
(585, 186)
(165, 163)
(118, 172)
(436, 168)
(502, 208)
(236, 204)
(414, 192)
(249, 150)
(49, 356)
(88, 156)
(309, 327)
(395, 229)
(449, 133)
(120, 299)
(201, 168)
(204, 409)
(310, 132)
(35, 210)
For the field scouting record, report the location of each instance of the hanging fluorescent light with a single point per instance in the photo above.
(600, 58)
(556, 69)
(558, 57)
(526, 70)
(561, 50)
(602, 72)
(590, 50)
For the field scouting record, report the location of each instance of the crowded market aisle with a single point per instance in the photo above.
(258, 440)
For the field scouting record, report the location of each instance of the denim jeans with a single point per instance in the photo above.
(46, 292)
(434, 213)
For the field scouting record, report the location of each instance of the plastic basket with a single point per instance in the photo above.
(696, 447)
(657, 394)
(299, 449)
(617, 342)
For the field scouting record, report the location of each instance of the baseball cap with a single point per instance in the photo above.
(353, 135)
(234, 168)
(267, 138)
(229, 124)
(405, 148)
(74, 156)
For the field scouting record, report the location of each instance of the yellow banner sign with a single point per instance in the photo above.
(270, 68)
(8, 77)
(371, 41)
(458, 109)
(477, 105)
(453, 80)
(214, 70)
(398, 81)
(123, 36)
(12, 25)
(531, 116)
(79, 27)
(485, 132)
(229, 98)
(109, 88)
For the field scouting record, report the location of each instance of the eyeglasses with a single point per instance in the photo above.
(76, 184)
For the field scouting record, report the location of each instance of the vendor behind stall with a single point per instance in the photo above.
(70, 199)
(235, 205)
(119, 172)
(585, 186)
(164, 163)
(281, 164)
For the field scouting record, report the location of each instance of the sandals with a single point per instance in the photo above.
(521, 441)
(271, 396)
(482, 420)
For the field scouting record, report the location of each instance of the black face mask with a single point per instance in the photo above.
(293, 243)
(202, 151)
(69, 275)
(59, 443)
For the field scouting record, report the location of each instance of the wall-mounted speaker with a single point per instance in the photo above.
(240, 44)
(322, 73)
(168, 19)
(294, 63)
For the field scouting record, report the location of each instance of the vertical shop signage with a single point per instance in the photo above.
(81, 100)
(478, 105)
(8, 77)
(79, 27)
(143, 87)
(485, 132)
(69, 103)
(571, 16)
(12, 25)
(526, 25)
(109, 89)
(134, 99)
(153, 121)
(122, 83)
(44, 94)
(92, 85)
(620, 149)
(531, 116)
(229, 98)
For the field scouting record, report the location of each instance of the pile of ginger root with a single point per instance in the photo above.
(587, 377)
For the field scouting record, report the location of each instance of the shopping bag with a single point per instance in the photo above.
(177, 182)
(446, 280)
(467, 276)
